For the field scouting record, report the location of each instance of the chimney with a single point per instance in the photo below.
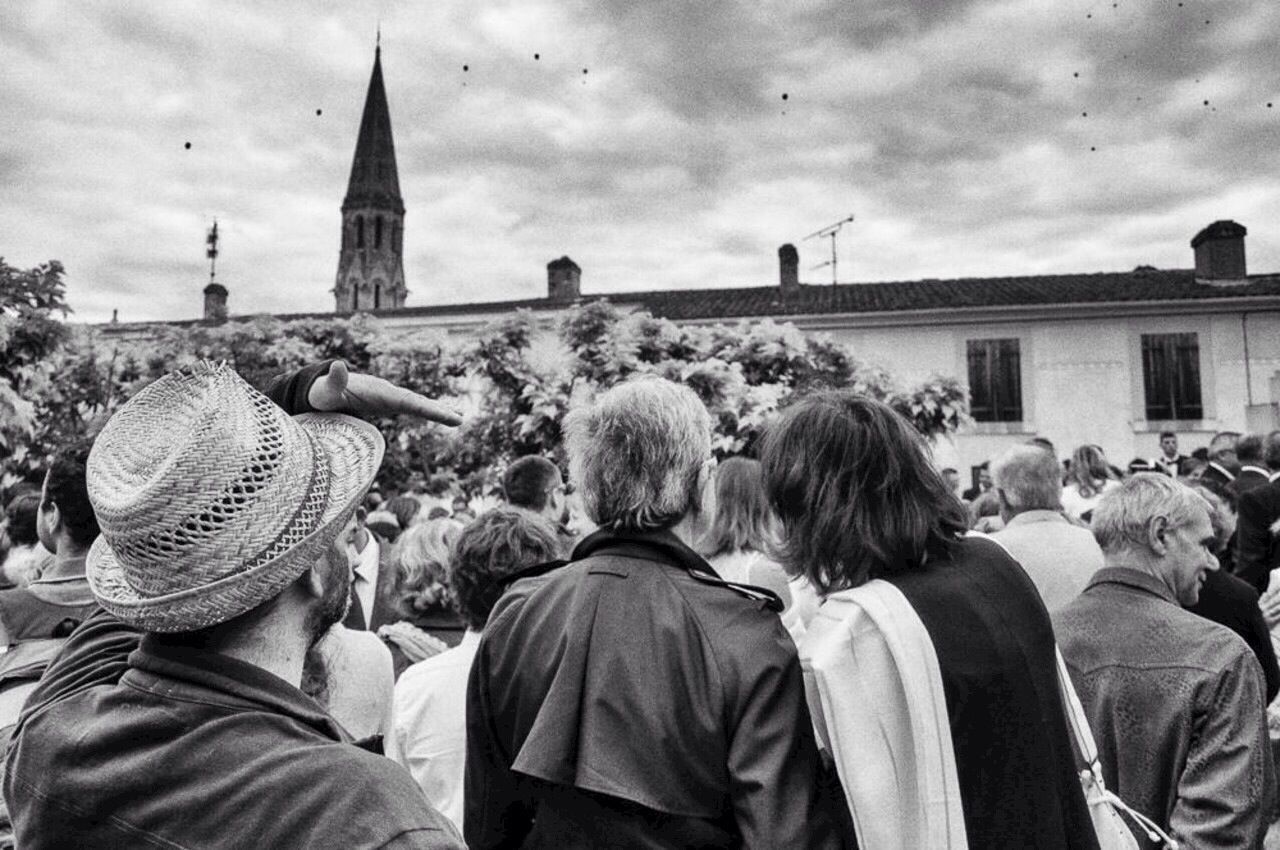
(564, 280)
(215, 303)
(788, 268)
(1220, 254)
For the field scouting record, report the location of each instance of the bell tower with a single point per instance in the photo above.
(371, 260)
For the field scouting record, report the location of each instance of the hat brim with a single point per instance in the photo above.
(354, 450)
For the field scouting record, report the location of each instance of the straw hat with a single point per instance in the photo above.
(211, 499)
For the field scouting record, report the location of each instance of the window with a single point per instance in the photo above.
(377, 291)
(995, 380)
(377, 232)
(359, 232)
(355, 296)
(1171, 376)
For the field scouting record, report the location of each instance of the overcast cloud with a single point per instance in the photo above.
(977, 138)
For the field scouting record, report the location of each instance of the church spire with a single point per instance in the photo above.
(374, 178)
(370, 263)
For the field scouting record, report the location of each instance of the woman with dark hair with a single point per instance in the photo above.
(859, 500)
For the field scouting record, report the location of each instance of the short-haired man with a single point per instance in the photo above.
(632, 698)
(221, 519)
(1253, 473)
(429, 718)
(1223, 463)
(1175, 701)
(56, 602)
(1059, 556)
(982, 485)
(535, 484)
(1169, 461)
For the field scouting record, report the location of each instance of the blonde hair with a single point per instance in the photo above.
(421, 558)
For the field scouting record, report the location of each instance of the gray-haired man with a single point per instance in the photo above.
(632, 698)
(1175, 701)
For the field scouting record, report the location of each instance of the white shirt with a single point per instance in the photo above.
(365, 579)
(1059, 557)
(429, 724)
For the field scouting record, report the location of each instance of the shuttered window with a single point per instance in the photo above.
(995, 380)
(1171, 376)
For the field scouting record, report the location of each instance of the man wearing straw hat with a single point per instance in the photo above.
(174, 718)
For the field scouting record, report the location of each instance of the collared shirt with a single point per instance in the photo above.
(1059, 556)
(126, 744)
(1176, 706)
(429, 724)
(364, 581)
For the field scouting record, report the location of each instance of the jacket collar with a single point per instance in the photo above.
(1136, 579)
(196, 675)
(660, 546)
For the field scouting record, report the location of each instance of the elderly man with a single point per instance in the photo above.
(633, 698)
(222, 524)
(1175, 701)
(1223, 463)
(1059, 556)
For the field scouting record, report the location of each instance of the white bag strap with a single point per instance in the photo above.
(1087, 756)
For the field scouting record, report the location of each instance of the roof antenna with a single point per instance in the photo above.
(831, 230)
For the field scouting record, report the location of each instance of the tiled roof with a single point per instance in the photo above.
(814, 299)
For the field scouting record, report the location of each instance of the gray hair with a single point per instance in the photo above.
(1123, 516)
(1030, 478)
(635, 453)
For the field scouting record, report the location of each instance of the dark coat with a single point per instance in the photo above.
(1232, 602)
(386, 607)
(128, 744)
(995, 646)
(1249, 478)
(631, 699)
(1256, 551)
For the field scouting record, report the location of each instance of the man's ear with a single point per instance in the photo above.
(312, 581)
(52, 517)
(1157, 531)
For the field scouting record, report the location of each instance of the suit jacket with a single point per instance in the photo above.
(1229, 600)
(1256, 551)
(1218, 473)
(386, 598)
(1248, 478)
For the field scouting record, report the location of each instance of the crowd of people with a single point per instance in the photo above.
(221, 634)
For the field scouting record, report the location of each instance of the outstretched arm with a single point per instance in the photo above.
(329, 386)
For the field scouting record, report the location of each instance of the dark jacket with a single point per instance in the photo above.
(995, 646)
(127, 744)
(633, 700)
(1176, 707)
(1249, 478)
(1232, 602)
(1256, 551)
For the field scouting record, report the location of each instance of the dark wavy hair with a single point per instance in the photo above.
(856, 491)
(501, 542)
(65, 487)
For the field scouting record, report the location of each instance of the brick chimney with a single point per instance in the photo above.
(564, 280)
(788, 268)
(215, 303)
(1220, 253)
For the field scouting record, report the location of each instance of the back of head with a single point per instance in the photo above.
(421, 557)
(404, 509)
(743, 518)
(1029, 478)
(20, 519)
(1249, 449)
(498, 544)
(528, 481)
(1122, 520)
(636, 452)
(1223, 442)
(66, 487)
(855, 490)
(1088, 470)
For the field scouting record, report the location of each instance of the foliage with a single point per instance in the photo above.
(514, 379)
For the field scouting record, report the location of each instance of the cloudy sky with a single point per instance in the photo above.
(660, 144)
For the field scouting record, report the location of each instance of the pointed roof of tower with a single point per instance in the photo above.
(374, 179)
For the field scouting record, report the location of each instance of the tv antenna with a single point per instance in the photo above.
(211, 240)
(830, 231)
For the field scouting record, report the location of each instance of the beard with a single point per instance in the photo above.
(332, 606)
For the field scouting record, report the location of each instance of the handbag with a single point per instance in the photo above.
(1106, 810)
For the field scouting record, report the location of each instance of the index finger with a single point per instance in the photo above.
(412, 404)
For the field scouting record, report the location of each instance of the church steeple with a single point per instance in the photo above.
(371, 265)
